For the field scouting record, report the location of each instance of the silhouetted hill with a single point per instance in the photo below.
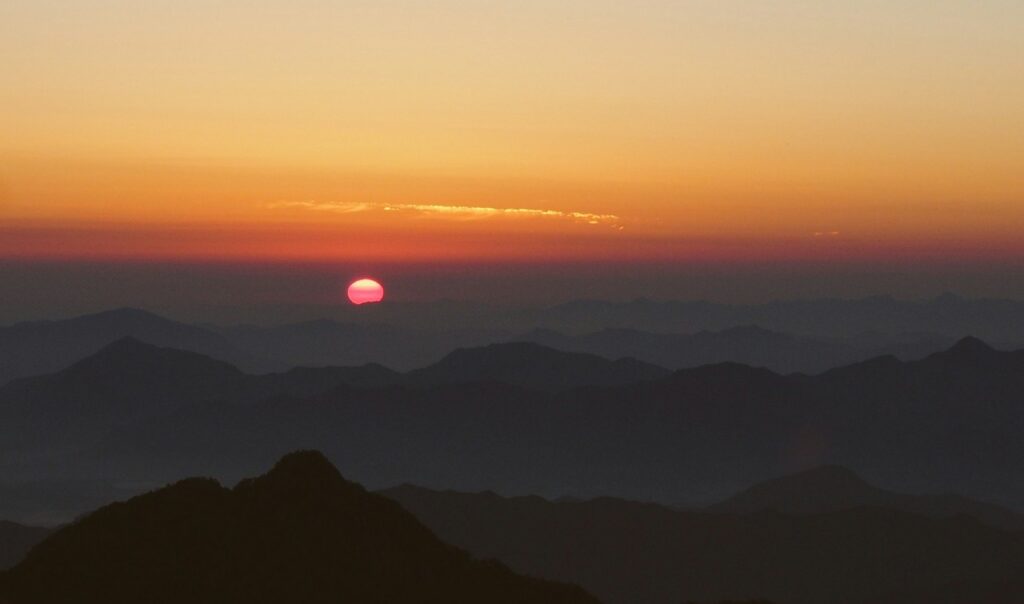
(16, 540)
(300, 533)
(834, 488)
(533, 366)
(631, 553)
(40, 347)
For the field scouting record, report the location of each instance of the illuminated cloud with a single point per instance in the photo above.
(826, 233)
(451, 211)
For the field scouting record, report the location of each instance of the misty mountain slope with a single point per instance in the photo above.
(950, 315)
(130, 379)
(834, 488)
(299, 533)
(327, 342)
(945, 423)
(637, 553)
(16, 540)
(749, 345)
(533, 366)
(124, 378)
(40, 347)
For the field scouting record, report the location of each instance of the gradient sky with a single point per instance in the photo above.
(558, 131)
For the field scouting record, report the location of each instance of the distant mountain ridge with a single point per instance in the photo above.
(299, 533)
(629, 552)
(950, 421)
(834, 488)
(696, 433)
(40, 347)
(667, 334)
(950, 315)
(747, 344)
(533, 366)
(130, 380)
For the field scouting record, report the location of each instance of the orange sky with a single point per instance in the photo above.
(567, 130)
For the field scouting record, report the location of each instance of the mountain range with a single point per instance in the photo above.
(854, 553)
(671, 339)
(948, 314)
(134, 413)
(747, 344)
(828, 489)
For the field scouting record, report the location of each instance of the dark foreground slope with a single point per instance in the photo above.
(636, 553)
(300, 533)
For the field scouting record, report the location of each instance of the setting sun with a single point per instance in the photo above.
(364, 291)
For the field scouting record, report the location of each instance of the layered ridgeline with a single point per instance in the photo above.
(840, 541)
(500, 419)
(835, 488)
(299, 533)
(668, 334)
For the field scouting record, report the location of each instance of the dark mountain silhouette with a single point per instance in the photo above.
(16, 540)
(326, 342)
(949, 422)
(129, 379)
(533, 366)
(300, 533)
(629, 553)
(949, 315)
(40, 347)
(749, 345)
(834, 488)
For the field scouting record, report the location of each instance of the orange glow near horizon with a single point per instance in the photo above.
(531, 131)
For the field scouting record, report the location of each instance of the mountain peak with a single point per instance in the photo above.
(970, 347)
(305, 466)
(135, 352)
(830, 475)
(815, 490)
(127, 344)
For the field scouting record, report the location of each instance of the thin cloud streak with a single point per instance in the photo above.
(453, 211)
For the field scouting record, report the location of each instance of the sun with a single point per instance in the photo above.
(363, 291)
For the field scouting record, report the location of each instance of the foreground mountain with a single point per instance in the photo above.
(834, 488)
(15, 540)
(300, 533)
(638, 553)
(39, 347)
(534, 367)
